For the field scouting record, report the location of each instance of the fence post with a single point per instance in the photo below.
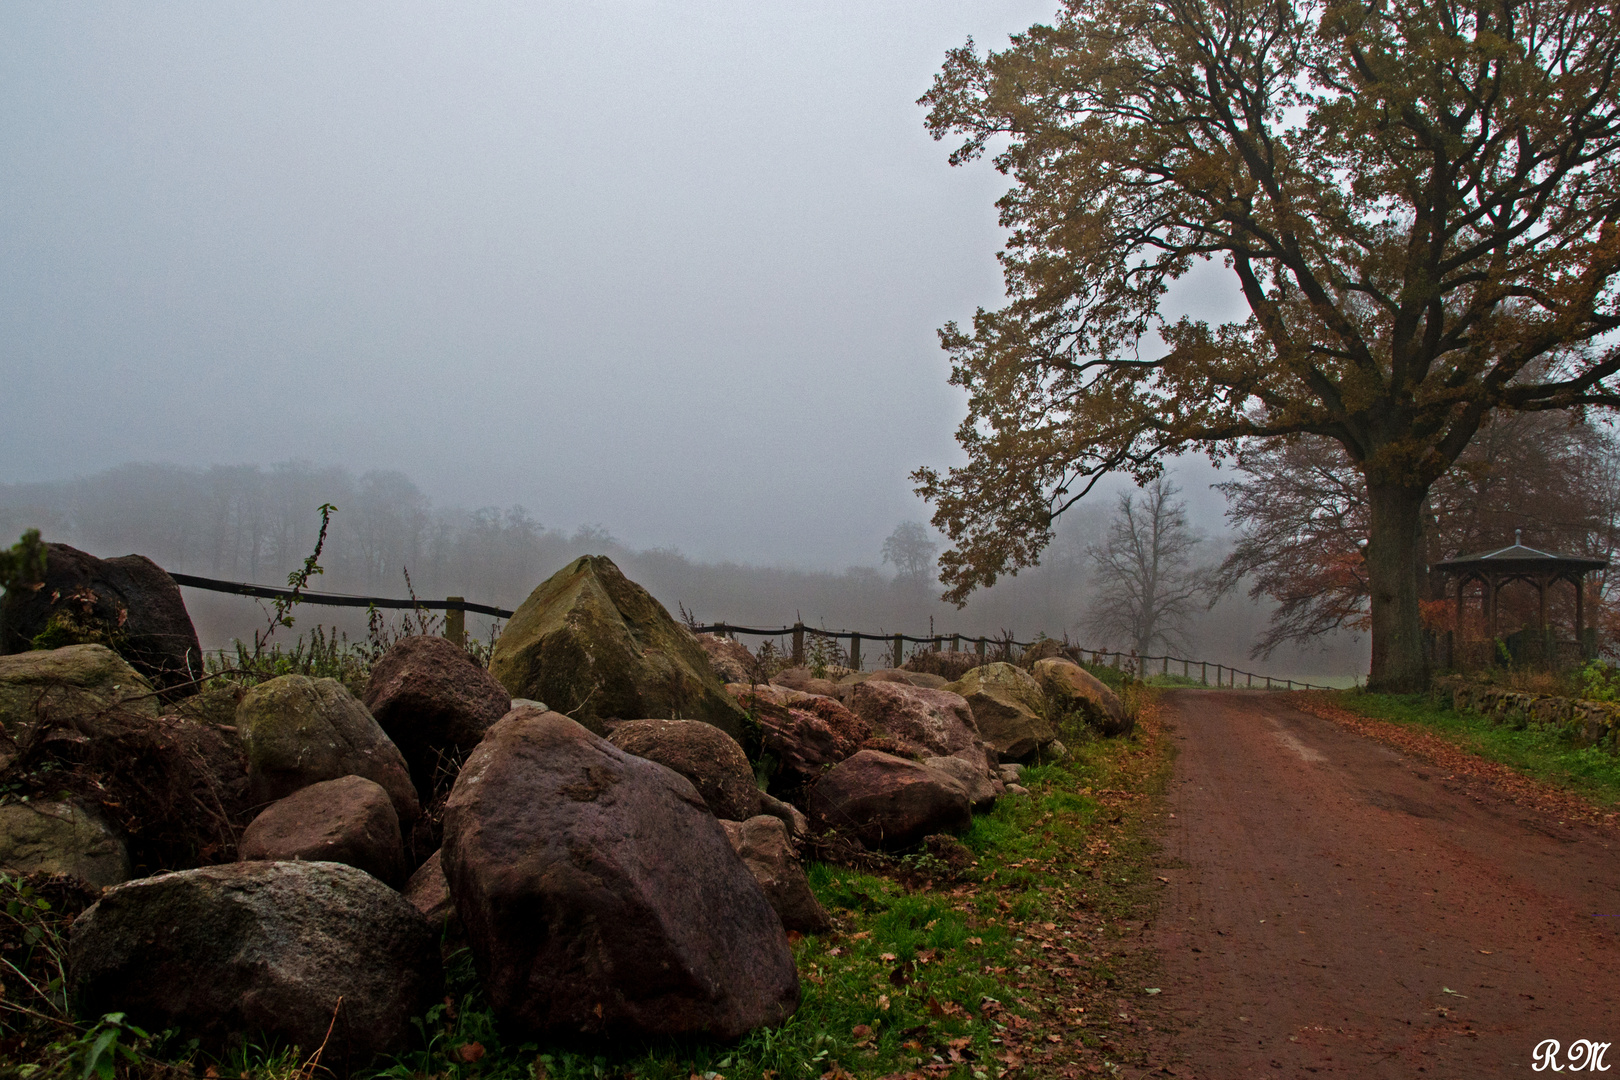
(1184, 669)
(1166, 670)
(1251, 679)
(1290, 684)
(455, 620)
(956, 643)
(899, 650)
(1203, 672)
(939, 641)
(854, 651)
(1116, 661)
(981, 652)
(1217, 675)
(798, 644)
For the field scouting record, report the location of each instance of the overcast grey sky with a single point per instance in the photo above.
(671, 267)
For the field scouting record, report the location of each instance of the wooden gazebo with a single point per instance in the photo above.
(1496, 569)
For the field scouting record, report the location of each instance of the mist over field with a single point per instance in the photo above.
(667, 275)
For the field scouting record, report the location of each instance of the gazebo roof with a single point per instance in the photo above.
(1516, 558)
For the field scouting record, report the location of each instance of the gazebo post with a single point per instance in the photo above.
(1461, 583)
(1490, 607)
(1580, 609)
(1541, 601)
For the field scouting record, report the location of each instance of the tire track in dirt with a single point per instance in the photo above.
(1335, 907)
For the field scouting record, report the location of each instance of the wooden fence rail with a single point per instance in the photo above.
(455, 628)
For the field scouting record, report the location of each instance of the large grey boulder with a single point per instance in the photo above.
(702, 753)
(730, 658)
(1004, 699)
(349, 821)
(299, 731)
(1071, 688)
(596, 645)
(435, 702)
(982, 789)
(766, 849)
(260, 950)
(60, 838)
(600, 896)
(889, 802)
(128, 603)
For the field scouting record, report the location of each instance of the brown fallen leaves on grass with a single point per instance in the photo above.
(1457, 763)
(1080, 992)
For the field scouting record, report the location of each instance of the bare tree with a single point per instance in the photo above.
(1147, 585)
(911, 550)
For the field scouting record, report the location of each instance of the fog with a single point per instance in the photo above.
(668, 271)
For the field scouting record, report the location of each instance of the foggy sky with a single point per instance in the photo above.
(675, 268)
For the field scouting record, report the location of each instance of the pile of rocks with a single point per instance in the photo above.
(629, 868)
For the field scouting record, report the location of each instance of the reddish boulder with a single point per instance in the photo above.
(925, 722)
(600, 896)
(799, 678)
(764, 846)
(730, 658)
(888, 802)
(435, 703)
(805, 733)
(349, 821)
(703, 754)
(429, 893)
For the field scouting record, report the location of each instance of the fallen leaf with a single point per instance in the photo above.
(883, 1002)
(469, 1052)
(886, 957)
(975, 941)
(1150, 990)
(1054, 1038)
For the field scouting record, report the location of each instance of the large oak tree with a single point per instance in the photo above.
(1418, 200)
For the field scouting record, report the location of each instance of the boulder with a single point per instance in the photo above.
(597, 646)
(429, 892)
(889, 802)
(60, 838)
(798, 825)
(703, 754)
(766, 849)
(68, 687)
(799, 678)
(1071, 688)
(435, 702)
(349, 820)
(1045, 649)
(1003, 699)
(129, 604)
(299, 731)
(919, 721)
(910, 678)
(982, 789)
(600, 896)
(807, 737)
(730, 659)
(948, 664)
(260, 950)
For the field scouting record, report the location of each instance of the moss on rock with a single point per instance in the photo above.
(593, 644)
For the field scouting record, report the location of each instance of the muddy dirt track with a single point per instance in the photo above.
(1335, 908)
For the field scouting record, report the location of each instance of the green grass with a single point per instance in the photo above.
(1545, 753)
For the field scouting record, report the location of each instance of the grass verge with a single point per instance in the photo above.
(1545, 755)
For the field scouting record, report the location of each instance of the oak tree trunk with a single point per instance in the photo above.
(1394, 570)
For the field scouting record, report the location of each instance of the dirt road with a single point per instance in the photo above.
(1335, 908)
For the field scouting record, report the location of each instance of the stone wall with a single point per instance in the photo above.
(1590, 723)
